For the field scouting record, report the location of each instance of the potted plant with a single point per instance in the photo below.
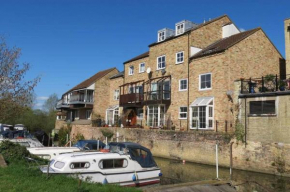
(269, 78)
(281, 85)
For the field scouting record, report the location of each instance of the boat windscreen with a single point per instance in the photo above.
(143, 156)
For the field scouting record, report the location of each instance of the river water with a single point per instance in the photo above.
(177, 172)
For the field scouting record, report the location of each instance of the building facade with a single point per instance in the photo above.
(287, 43)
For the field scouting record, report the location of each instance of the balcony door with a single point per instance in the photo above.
(156, 115)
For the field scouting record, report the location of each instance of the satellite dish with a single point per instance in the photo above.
(148, 70)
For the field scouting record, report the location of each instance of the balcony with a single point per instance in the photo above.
(133, 99)
(81, 99)
(158, 97)
(61, 104)
(266, 85)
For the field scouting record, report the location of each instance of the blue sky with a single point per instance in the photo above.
(67, 41)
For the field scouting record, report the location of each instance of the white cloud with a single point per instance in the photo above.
(242, 29)
(38, 104)
(42, 98)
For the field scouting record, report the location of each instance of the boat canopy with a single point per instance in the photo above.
(137, 152)
(89, 144)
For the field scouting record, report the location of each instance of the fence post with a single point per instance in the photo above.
(216, 125)
(226, 126)
(263, 88)
(276, 79)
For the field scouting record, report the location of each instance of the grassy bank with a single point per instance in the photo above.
(23, 177)
(18, 177)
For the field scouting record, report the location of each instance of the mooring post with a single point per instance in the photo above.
(106, 140)
(217, 159)
(231, 161)
(98, 146)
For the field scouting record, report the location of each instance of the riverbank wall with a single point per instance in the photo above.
(200, 147)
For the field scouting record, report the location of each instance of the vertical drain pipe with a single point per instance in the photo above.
(245, 121)
(231, 161)
(217, 160)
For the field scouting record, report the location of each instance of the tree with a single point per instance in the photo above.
(50, 103)
(15, 92)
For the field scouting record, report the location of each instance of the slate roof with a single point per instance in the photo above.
(143, 55)
(91, 80)
(120, 74)
(223, 44)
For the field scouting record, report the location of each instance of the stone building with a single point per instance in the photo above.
(287, 43)
(186, 79)
(89, 99)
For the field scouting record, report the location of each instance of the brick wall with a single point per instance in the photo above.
(199, 147)
(287, 44)
(102, 94)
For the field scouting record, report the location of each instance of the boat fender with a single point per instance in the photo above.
(105, 181)
(160, 174)
(134, 177)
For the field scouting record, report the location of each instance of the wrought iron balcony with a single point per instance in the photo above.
(61, 104)
(158, 97)
(81, 99)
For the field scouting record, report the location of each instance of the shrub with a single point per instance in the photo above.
(62, 135)
(107, 133)
(240, 132)
(78, 137)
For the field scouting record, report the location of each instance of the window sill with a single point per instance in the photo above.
(203, 129)
(130, 74)
(141, 71)
(262, 115)
(179, 63)
(160, 69)
(205, 89)
(182, 90)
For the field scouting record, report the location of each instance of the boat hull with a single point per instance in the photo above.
(132, 178)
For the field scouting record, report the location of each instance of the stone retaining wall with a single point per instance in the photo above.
(199, 147)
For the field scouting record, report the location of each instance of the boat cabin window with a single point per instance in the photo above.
(138, 153)
(113, 163)
(79, 165)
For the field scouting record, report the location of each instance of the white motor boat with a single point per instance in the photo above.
(26, 142)
(52, 152)
(127, 164)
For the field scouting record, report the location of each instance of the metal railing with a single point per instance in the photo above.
(81, 98)
(268, 83)
(131, 98)
(158, 95)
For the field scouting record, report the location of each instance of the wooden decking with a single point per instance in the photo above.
(201, 186)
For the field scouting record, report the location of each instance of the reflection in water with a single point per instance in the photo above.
(176, 172)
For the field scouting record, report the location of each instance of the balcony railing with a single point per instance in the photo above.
(61, 104)
(158, 95)
(266, 84)
(131, 98)
(80, 99)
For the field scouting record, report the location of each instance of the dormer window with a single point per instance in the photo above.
(161, 36)
(179, 28)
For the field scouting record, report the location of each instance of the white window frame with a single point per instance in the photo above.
(180, 31)
(141, 71)
(139, 113)
(176, 59)
(207, 116)
(116, 94)
(158, 114)
(182, 112)
(87, 114)
(180, 85)
(158, 68)
(199, 86)
(161, 36)
(115, 110)
(131, 70)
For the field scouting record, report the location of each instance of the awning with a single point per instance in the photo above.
(113, 107)
(202, 101)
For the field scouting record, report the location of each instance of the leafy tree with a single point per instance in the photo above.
(50, 103)
(15, 92)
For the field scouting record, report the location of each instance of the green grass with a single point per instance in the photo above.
(19, 177)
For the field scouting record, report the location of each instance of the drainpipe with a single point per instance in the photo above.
(188, 49)
(245, 122)
(231, 161)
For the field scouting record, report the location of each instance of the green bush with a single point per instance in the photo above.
(62, 135)
(78, 137)
(240, 132)
(107, 133)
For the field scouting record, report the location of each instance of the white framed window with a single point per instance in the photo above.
(88, 114)
(202, 113)
(141, 67)
(77, 114)
(116, 94)
(131, 70)
(182, 112)
(179, 28)
(161, 36)
(180, 57)
(182, 84)
(156, 115)
(205, 81)
(161, 62)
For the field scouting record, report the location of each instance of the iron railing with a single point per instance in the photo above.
(268, 83)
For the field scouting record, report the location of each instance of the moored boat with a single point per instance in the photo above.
(127, 164)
